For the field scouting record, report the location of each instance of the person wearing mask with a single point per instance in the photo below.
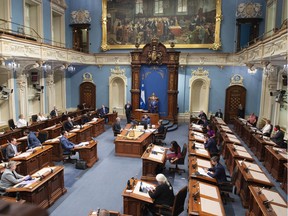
(266, 130)
(32, 140)
(210, 145)
(217, 171)
(163, 193)
(69, 125)
(128, 111)
(21, 121)
(202, 114)
(278, 137)
(11, 149)
(219, 114)
(10, 177)
(67, 146)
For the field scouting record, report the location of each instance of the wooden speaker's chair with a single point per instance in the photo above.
(178, 205)
(179, 161)
(153, 102)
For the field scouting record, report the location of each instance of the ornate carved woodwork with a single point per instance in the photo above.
(88, 94)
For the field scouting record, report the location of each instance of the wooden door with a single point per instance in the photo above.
(88, 94)
(235, 95)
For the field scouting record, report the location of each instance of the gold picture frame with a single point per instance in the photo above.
(187, 30)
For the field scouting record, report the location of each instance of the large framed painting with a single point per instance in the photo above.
(186, 23)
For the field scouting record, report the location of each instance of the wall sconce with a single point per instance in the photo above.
(46, 67)
(71, 68)
(13, 65)
(5, 92)
(251, 68)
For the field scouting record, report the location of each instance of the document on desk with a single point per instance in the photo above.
(208, 190)
(244, 154)
(74, 130)
(43, 172)
(202, 151)
(23, 155)
(202, 172)
(82, 144)
(241, 148)
(199, 145)
(251, 166)
(211, 206)
(26, 183)
(145, 185)
(158, 149)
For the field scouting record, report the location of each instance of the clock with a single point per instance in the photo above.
(236, 80)
(87, 77)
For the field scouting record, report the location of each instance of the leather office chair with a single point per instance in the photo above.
(11, 124)
(34, 118)
(160, 137)
(3, 156)
(179, 161)
(178, 205)
(114, 131)
(228, 187)
(66, 157)
(43, 136)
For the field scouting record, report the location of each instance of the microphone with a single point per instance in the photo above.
(194, 166)
(266, 203)
(247, 169)
(196, 194)
(197, 182)
(260, 190)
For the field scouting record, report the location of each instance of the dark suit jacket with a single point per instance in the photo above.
(219, 173)
(219, 114)
(103, 112)
(128, 110)
(68, 126)
(53, 113)
(117, 127)
(162, 195)
(32, 140)
(9, 151)
(202, 115)
(160, 130)
(66, 145)
(211, 146)
(278, 138)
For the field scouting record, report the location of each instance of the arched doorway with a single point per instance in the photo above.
(88, 94)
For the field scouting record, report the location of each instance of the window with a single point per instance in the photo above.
(58, 29)
(33, 19)
(285, 11)
(5, 14)
(270, 17)
(158, 9)
(182, 6)
(139, 7)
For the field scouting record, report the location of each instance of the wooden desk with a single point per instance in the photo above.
(224, 128)
(284, 185)
(57, 152)
(197, 149)
(247, 134)
(17, 133)
(30, 163)
(152, 159)
(138, 114)
(54, 131)
(83, 134)
(194, 166)
(88, 153)
(132, 147)
(235, 152)
(238, 125)
(196, 127)
(228, 139)
(197, 136)
(249, 174)
(257, 207)
(37, 126)
(275, 158)
(259, 148)
(111, 117)
(97, 127)
(204, 199)
(53, 121)
(133, 200)
(46, 191)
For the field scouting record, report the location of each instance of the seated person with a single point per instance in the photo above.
(10, 177)
(210, 131)
(217, 171)
(161, 127)
(41, 117)
(252, 119)
(54, 112)
(11, 149)
(163, 194)
(102, 112)
(175, 151)
(210, 145)
(32, 140)
(85, 119)
(67, 146)
(267, 129)
(278, 137)
(202, 114)
(116, 126)
(68, 125)
(219, 114)
(80, 107)
(21, 121)
(145, 119)
(204, 122)
(240, 111)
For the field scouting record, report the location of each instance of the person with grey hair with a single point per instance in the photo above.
(163, 194)
(116, 126)
(10, 177)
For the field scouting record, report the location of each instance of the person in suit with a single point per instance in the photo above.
(240, 112)
(252, 119)
(21, 121)
(66, 145)
(278, 137)
(145, 119)
(32, 139)
(85, 119)
(160, 131)
(103, 111)
(163, 193)
(202, 114)
(128, 111)
(219, 114)
(116, 126)
(11, 149)
(69, 125)
(10, 177)
(217, 171)
(54, 112)
(210, 145)
(267, 129)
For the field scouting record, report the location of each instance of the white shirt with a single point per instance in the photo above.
(15, 149)
(266, 128)
(41, 118)
(21, 123)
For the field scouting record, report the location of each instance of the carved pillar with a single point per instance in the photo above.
(135, 88)
(22, 93)
(50, 91)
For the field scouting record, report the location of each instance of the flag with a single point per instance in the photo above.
(142, 98)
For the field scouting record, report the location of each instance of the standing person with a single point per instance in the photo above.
(11, 149)
(219, 114)
(10, 177)
(128, 111)
(278, 136)
(117, 127)
(217, 171)
(21, 121)
(240, 111)
(163, 194)
(41, 117)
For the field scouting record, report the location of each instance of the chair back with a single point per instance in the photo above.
(3, 156)
(183, 154)
(11, 124)
(271, 129)
(43, 136)
(34, 118)
(178, 206)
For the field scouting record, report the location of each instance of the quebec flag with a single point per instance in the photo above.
(142, 98)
